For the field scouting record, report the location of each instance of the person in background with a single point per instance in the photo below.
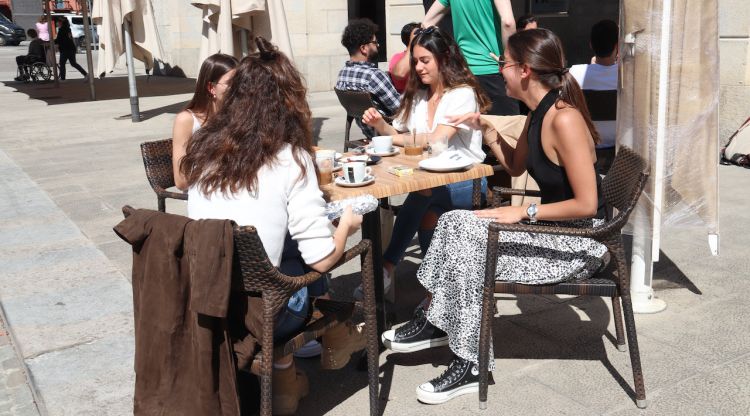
(213, 80)
(36, 54)
(252, 163)
(527, 21)
(481, 29)
(361, 72)
(440, 84)
(601, 75)
(400, 64)
(67, 46)
(42, 28)
(557, 149)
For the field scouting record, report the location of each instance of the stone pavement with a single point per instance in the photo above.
(68, 165)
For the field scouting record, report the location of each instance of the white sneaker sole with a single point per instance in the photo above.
(413, 346)
(437, 398)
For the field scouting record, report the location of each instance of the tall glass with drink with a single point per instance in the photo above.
(324, 162)
(413, 143)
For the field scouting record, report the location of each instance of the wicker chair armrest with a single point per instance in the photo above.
(498, 192)
(361, 248)
(169, 194)
(597, 233)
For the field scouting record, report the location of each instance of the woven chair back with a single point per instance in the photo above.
(157, 159)
(625, 180)
(354, 102)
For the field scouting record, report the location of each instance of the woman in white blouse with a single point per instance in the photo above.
(251, 162)
(440, 85)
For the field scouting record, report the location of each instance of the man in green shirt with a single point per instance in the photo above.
(481, 27)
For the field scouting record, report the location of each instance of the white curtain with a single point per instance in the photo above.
(224, 19)
(109, 15)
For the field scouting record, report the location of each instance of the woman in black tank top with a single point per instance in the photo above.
(557, 148)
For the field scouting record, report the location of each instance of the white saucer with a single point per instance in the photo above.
(340, 181)
(371, 151)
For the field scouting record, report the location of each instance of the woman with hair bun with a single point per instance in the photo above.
(252, 163)
(557, 149)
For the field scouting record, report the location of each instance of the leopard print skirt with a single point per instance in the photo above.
(453, 270)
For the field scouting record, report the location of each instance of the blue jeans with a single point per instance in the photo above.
(294, 316)
(415, 207)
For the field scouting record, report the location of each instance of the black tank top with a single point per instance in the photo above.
(551, 178)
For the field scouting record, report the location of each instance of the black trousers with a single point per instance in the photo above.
(494, 86)
(24, 60)
(66, 56)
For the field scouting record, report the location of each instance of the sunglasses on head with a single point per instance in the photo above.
(425, 30)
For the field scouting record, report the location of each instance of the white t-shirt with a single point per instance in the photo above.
(599, 78)
(455, 102)
(283, 202)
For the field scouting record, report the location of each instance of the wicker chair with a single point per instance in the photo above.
(622, 188)
(355, 103)
(260, 276)
(157, 159)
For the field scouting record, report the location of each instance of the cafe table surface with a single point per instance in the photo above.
(387, 184)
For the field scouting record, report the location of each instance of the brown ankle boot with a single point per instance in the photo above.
(289, 385)
(339, 343)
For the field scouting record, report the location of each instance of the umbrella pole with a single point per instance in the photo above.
(135, 114)
(50, 28)
(645, 246)
(87, 36)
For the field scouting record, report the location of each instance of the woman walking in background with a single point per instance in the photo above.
(67, 46)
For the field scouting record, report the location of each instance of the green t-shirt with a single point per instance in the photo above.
(476, 28)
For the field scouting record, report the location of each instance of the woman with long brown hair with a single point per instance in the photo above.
(213, 80)
(557, 149)
(440, 84)
(252, 163)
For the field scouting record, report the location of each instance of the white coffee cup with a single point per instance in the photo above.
(355, 172)
(382, 144)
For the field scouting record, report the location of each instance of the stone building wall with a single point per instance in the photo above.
(734, 49)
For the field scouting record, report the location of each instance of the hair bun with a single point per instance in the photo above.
(267, 50)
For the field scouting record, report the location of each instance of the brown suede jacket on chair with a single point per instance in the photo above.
(182, 280)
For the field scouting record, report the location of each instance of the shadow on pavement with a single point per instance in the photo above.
(113, 88)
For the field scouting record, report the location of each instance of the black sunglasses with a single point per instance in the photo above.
(425, 30)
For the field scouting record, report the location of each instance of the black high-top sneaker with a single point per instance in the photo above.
(416, 335)
(461, 377)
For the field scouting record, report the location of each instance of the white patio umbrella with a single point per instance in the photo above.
(129, 27)
(227, 23)
(668, 112)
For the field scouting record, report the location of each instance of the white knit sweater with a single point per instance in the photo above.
(283, 202)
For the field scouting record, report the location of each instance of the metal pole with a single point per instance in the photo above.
(87, 38)
(50, 26)
(243, 42)
(135, 114)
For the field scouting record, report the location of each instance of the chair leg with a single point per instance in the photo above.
(161, 203)
(371, 330)
(635, 356)
(266, 379)
(617, 312)
(349, 120)
(485, 329)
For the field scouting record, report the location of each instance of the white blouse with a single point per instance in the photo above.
(283, 202)
(455, 102)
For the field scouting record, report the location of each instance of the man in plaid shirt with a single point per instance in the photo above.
(361, 73)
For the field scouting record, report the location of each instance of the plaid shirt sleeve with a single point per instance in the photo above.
(383, 90)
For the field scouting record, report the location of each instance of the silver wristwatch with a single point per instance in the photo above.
(531, 212)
